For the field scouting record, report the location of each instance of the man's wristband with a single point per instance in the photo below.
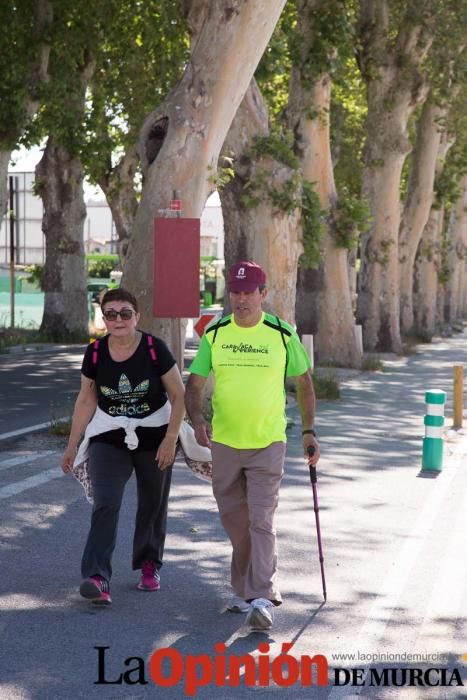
(309, 431)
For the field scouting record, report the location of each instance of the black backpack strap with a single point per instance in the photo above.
(151, 348)
(220, 324)
(282, 332)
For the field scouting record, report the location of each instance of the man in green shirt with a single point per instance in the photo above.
(250, 353)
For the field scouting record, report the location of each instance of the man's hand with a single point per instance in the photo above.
(203, 432)
(310, 441)
(194, 407)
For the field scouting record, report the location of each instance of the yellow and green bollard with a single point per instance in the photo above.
(432, 459)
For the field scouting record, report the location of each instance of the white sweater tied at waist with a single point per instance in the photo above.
(101, 422)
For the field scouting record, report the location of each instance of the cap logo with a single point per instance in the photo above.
(241, 273)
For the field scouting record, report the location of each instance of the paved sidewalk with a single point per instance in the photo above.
(394, 550)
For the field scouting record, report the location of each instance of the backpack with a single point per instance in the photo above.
(279, 327)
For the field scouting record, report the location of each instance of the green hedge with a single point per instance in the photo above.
(99, 265)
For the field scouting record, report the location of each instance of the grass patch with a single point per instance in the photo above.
(60, 426)
(372, 363)
(412, 340)
(409, 346)
(326, 386)
(10, 337)
(458, 326)
(60, 418)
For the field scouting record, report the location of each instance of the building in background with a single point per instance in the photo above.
(99, 229)
(212, 229)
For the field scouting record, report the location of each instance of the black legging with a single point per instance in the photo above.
(110, 467)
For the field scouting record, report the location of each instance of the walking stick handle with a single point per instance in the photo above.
(313, 477)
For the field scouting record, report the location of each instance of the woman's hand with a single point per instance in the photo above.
(165, 455)
(68, 459)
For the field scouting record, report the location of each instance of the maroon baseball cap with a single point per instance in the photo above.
(245, 276)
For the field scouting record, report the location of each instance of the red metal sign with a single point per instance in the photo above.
(176, 268)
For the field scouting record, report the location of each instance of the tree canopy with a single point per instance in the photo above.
(384, 63)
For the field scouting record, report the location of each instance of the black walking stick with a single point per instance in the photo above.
(313, 479)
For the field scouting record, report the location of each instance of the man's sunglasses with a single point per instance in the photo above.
(112, 315)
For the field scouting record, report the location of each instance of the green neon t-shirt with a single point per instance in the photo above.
(249, 366)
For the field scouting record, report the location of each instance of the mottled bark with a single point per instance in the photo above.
(59, 178)
(4, 161)
(464, 291)
(457, 232)
(461, 235)
(427, 260)
(418, 204)
(119, 189)
(324, 305)
(261, 233)
(180, 142)
(395, 87)
(425, 281)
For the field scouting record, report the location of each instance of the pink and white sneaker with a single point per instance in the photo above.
(150, 579)
(96, 589)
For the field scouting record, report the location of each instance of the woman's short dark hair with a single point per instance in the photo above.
(119, 294)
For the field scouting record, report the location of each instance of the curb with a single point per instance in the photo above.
(40, 348)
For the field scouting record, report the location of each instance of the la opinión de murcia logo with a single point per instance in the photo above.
(168, 668)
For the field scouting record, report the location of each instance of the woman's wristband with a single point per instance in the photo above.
(309, 431)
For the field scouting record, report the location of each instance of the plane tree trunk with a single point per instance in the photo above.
(119, 188)
(395, 86)
(418, 204)
(260, 231)
(59, 180)
(324, 305)
(180, 142)
(427, 264)
(457, 234)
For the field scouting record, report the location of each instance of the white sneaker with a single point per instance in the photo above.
(238, 605)
(261, 615)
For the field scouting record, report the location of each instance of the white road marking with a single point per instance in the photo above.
(383, 608)
(24, 459)
(22, 431)
(446, 599)
(31, 482)
(32, 428)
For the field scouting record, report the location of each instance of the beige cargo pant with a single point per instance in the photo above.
(246, 487)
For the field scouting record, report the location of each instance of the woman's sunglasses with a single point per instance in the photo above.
(112, 315)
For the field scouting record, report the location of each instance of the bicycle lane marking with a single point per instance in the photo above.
(383, 608)
(23, 459)
(29, 483)
(25, 431)
(446, 600)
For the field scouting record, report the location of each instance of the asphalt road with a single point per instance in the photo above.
(40, 386)
(37, 387)
(394, 556)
